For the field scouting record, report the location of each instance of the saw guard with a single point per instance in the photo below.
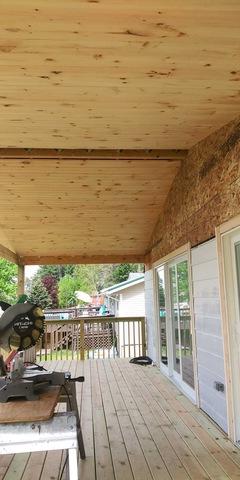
(21, 326)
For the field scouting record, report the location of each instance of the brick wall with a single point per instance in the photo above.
(205, 193)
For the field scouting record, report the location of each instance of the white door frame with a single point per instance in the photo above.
(183, 253)
(226, 240)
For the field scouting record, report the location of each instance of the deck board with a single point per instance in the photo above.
(136, 426)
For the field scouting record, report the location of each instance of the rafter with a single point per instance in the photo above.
(91, 154)
(80, 259)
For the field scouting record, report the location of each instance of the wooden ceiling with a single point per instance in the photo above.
(128, 75)
(69, 210)
(117, 74)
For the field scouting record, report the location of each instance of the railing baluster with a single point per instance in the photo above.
(134, 339)
(45, 345)
(139, 340)
(74, 340)
(129, 340)
(51, 341)
(61, 340)
(66, 341)
(124, 345)
(143, 338)
(82, 338)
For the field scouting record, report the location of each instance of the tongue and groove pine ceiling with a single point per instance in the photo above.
(105, 75)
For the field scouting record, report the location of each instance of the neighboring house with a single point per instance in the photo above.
(126, 299)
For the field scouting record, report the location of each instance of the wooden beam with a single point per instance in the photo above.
(8, 254)
(91, 154)
(21, 279)
(80, 259)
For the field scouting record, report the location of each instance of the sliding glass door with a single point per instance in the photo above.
(181, 322)
(175, 326)
(162, 316)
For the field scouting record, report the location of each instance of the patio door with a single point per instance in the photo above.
(231, 253)
(163, 330)
(182, 351)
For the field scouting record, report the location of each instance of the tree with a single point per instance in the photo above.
(121, 271)
(92, 278)
(8, 281)
(50, 283)
(38, 294)
(67, 288)
(183, 284)
(56, 271)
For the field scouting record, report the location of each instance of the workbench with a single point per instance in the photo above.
(33, 426)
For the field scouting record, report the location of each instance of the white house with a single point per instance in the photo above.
(126, 299)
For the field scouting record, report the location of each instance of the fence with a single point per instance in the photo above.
(92, 337)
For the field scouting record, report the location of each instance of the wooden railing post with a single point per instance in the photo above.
(82, 340)
(143, 330)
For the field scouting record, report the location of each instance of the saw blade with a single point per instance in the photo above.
(27, 329)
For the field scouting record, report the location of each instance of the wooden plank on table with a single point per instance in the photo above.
(26, 411)
(122, 467)
(135, 453)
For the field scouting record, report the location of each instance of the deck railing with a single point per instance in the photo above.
(92, 337)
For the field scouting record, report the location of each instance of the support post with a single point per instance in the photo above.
(143, 330)
(21, 280)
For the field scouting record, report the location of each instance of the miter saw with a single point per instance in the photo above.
(21, 327)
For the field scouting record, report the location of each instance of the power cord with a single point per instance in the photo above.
(68, 396)
(40, 367)
(63, 467)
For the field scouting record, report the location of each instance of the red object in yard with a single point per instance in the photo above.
(10, 359)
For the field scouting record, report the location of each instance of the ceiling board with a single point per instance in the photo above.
(86, 207)
(124, 74)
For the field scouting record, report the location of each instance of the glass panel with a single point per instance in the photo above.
(175, 314)
(162, 315)
(237, 253)
(185, 323)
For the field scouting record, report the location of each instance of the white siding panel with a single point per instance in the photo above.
(206, 252)
(204, 271)
(214, 363)
(205, 323)
(206, 288)
(132, 301)
(209, 342)
(209, 307)
(212, 343)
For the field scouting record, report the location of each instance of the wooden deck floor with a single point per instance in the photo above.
(136, 426)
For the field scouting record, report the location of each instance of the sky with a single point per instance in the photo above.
(30, 270)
